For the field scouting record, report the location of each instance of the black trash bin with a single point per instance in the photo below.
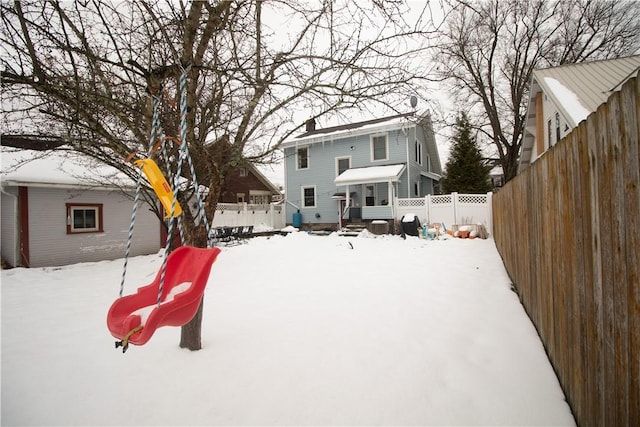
(410, 224)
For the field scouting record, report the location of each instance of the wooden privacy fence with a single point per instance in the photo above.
(568, 230)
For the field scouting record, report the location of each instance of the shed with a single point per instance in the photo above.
(60, 209)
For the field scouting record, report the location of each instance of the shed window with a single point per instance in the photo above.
(557, 127)
(84, 218)
(379, 147)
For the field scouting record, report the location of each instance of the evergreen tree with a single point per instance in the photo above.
(466, 170)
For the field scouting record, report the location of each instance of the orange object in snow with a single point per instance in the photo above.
(160, 186)
(134, 318)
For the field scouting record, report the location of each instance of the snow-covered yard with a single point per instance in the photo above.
(297, 330)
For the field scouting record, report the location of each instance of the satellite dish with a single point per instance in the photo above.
(413, 101)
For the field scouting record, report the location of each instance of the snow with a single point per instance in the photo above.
(363, 128)
(58, 167)
(410, 217)
(144, 312)
(297, 330)
(570, 100)
(370, 174)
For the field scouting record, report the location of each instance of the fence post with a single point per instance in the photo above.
(454, 202)
(271, 216)
(490, 208)
(427, 207)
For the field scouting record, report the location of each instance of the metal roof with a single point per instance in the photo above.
(592, 82)
(576, 90)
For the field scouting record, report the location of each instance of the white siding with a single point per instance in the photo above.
(8, 221)
(51, 245)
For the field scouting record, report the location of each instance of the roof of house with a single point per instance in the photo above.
(368, 126)
(270, 185)
(57, 168)
(577, 90)
(370, 174)
(581, 88)
(355, 125)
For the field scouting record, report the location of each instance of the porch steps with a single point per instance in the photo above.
(352, 230)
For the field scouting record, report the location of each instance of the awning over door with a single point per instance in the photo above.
(371, 174)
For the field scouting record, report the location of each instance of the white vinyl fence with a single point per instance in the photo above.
(243, 214)
(449, 209)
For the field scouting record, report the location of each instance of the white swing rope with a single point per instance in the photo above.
(157, 133)
(183, 153)
(183, 146)
(136, 198)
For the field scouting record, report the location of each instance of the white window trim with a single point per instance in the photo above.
(315, 197)
(298, 168)
(386, 147)
(338, 162)
(259, 194)
(97, 208)
(419, 152)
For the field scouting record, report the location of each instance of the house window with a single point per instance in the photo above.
(416, 188)
(303, 157)
(342, 164)
(309, 197)
(259, 197)
(557, 127)
(379, 147)
(419, 152)
(370, 199)
(84, 218)
(244, 172)
(549, 134)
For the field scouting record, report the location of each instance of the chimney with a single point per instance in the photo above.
(310, 125)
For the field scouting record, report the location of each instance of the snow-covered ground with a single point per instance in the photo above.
(297, 330)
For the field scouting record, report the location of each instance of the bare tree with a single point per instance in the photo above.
(488, 51)
(84, 70)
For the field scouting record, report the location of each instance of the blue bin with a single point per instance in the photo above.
(297, 219)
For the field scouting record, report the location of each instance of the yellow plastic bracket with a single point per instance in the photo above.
(160, 186)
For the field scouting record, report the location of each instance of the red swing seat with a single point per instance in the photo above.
(187, 266)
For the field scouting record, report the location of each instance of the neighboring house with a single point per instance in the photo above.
(246, 184)
(496, 174)
(57, 211)
(561, 97)
(354, 172)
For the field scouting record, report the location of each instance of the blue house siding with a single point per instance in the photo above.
(325, 147)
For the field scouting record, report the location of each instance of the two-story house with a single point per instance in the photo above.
(355, 172)
(561, 97)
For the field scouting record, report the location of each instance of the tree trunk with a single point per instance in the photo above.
(190, 334)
